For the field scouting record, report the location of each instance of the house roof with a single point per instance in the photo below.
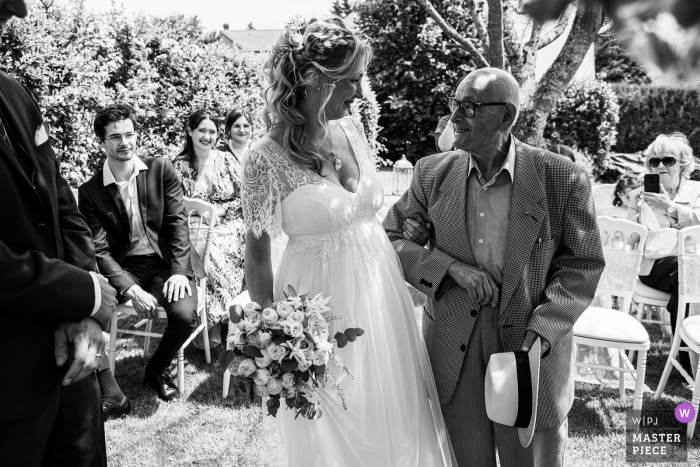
(253, 40)
(693, 82)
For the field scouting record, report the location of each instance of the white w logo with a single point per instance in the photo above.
(684, 413)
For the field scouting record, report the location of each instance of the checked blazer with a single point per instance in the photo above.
(553, 262)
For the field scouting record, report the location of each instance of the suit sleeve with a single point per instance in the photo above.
(575, 270)
(108, 266)
(176, 217)
(78, 247)
(425, 269)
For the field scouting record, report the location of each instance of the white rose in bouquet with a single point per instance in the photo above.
(253, 338)
(296, 316)
(247, 367)
(274, 386)
(233, 367)
(276, 352)
(270, 316)
(243, 324)
(262, 376)
(250, 308)
(296, 329)
(288, 380)
(254, 317)
(264, 361)
(323, 346)
(264, 340)
(261, 391)
(283, 309)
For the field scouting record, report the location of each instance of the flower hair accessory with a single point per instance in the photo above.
(292, 40)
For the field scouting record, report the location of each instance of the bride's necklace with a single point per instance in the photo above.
(335, 161)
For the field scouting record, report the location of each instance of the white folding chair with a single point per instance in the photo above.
(645, 295)
(623, 244)
(687, 329)
(242, 300)
(603, 196)
(201, 208)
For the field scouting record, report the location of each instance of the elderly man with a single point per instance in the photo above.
(53, 305)
(514, 254)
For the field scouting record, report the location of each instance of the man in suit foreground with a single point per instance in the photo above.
(138, 221)
(515, 254)
(53, 305)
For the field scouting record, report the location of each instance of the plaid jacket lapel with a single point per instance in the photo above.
(526, 216)
(453, 200)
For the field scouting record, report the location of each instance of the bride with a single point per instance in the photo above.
(312, 179)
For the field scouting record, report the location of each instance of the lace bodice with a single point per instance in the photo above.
(280, 197)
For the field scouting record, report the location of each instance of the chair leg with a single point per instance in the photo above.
(669, 364)
(181, 371)
(696, 402)
(639, 315)
(621, 364)
(227, 381)
(113, 343)
(205, 332)
(639, 386)
(147, 339)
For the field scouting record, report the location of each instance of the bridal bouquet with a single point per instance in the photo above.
(285, 349)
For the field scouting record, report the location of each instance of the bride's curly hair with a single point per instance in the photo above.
(313, 53)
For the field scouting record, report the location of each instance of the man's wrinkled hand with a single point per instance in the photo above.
(80, 343)
(144, 303)
(416, 231)
(530, 338)
(478, 283)
(176, 287)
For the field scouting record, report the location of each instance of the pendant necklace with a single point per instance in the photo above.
(337, 163)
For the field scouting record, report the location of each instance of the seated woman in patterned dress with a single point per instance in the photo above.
(238, 130)
(213, 176)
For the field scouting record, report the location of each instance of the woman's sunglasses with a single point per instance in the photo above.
(667, 161)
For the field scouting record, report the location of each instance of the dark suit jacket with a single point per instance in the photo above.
(163, 213)
(46, 252)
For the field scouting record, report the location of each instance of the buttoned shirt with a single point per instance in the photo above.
(488, 209)
(140, 244)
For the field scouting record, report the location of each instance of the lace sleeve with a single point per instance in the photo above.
(261, 194)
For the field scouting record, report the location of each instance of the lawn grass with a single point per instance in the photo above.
(204, 430)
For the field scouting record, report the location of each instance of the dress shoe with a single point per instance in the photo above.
(163, 384)
(112, 410)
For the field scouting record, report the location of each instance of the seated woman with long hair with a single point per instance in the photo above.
(213, 176)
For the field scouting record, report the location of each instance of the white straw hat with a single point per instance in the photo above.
(511, 387)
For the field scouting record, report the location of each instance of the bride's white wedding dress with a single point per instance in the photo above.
(337, 246)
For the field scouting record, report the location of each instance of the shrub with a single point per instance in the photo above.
(647, 111)
(585, 118)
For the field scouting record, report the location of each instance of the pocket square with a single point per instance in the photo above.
(41, 135)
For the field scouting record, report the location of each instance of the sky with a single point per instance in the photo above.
(264, 14)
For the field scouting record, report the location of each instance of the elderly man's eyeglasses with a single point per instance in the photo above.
(667, 161)
(467, 108)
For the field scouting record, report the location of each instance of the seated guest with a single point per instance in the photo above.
(138, 221)
(214, 176)
(677, 206)
(563, 150)
(238, 128)
(621, 197)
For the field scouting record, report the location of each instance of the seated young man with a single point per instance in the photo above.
(134, 209)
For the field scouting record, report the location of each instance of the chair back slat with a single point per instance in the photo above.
(689, 261)
(623, 246)
(199, 208)
(603, 196)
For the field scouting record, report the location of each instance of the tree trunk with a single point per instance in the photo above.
(525, 72)
(587, 23)
(495, 28)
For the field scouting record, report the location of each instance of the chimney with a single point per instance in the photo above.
(225, 26)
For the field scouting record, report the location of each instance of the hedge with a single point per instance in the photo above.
(647, 111)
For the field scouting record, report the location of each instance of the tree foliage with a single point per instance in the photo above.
(614, 64)
(415, 65)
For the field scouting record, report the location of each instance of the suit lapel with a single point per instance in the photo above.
(141, 187)
(113, 190)
(526, 216)
(453, 200)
